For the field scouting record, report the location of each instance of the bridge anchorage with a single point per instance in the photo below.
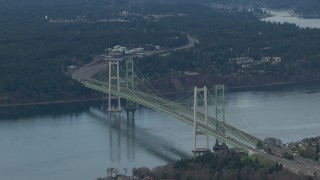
(128, 83)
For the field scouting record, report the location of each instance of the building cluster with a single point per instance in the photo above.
(78, 19)
(150, 17)
(123, 177)
(121, 50)
(61, 20)
(122, 19)
(272, 60)
(244, 62)
(83, 19)
(112, 20)
(307, 147)
(247, 62)
(189, 73)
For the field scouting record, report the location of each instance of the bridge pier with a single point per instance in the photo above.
(114, 112)
(219, 147)
(200, 151)
(132, 113)
(111, 111)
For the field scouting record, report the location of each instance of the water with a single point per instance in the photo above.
(80, 141)
(71, 143)
(286, 16)
(290, 115)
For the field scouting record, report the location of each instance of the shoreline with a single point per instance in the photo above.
(232, 89)
(50, 102)
(272, 84)
(258, 86)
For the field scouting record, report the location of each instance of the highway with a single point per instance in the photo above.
(298, 165)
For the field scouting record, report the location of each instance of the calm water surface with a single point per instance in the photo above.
(80, 141)
(285, 16)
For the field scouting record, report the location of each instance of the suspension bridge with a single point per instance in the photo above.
(122, 79)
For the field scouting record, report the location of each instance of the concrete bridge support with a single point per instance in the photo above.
(132, 113)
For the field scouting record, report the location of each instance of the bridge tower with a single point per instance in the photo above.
(196, 132)
(220, 112)
(130, 105)
(114, 80)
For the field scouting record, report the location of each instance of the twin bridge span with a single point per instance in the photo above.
(110, 78)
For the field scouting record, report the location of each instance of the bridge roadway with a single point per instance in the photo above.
(172, 112)
(87, 72)
(230, 130)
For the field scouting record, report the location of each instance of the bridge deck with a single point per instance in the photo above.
(175, 113)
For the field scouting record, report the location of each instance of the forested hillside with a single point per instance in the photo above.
(228, 36)
(39, 40)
